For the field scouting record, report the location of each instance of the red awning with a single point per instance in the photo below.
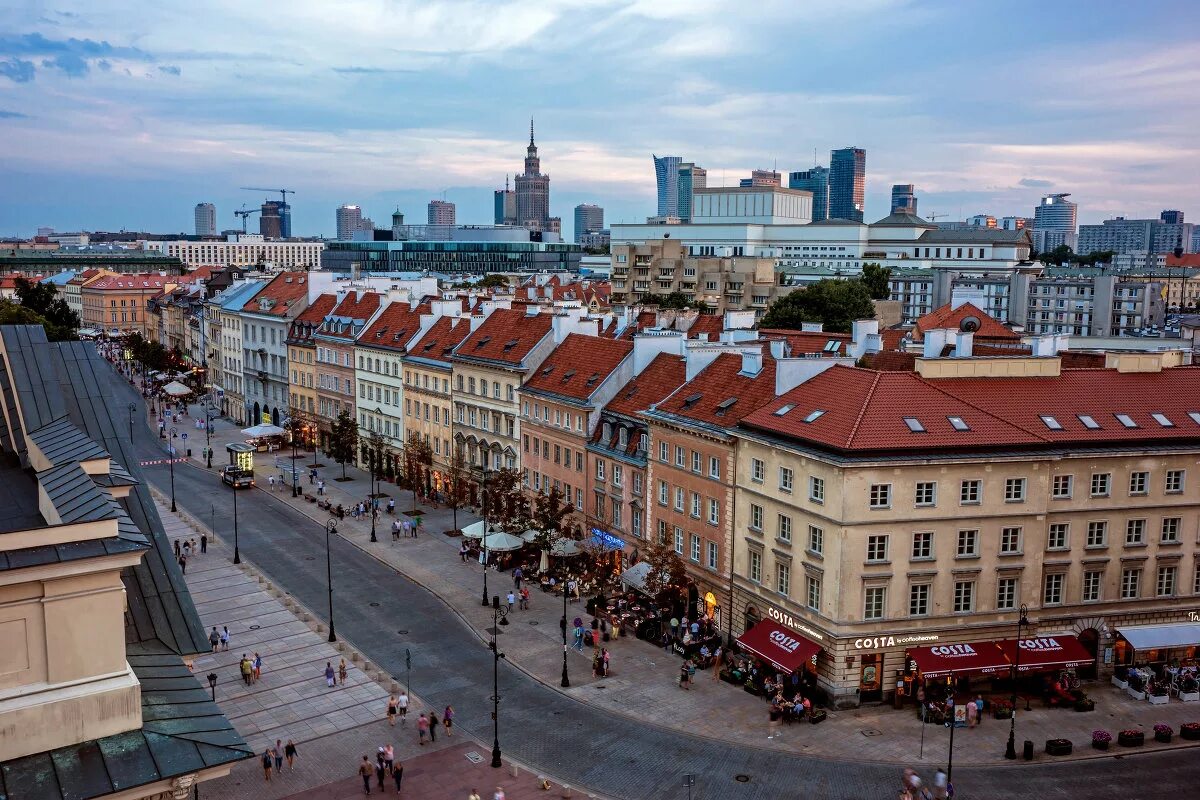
(784, 648)
(1047, 652)
(942, 660)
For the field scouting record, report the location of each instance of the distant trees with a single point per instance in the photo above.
(672, 300)
(833, 303)
(60, 322)
(1063, 255)
(343, 440)
(876, 278)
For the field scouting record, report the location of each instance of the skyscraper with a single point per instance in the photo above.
(533, 191)
(270, 221)
(588, 219)
(666, 175)
(816, 181)
(904, 199)
(1055, 213)
(1171, 217)
(206, 219)
(504, 205)
(847, 183)
(440, 213)
(349, 220)
(691, 178)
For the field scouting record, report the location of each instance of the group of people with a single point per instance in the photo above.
(335, 679)
(386, 766)
(273, 758)
(186, 548)
(219, 639)
(403, 527)
(913, 788)
(250, 668)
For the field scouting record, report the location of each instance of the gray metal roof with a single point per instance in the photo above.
(62, 442)
(838, 221)
(75, 496)
(984, 235)
(26, 380)
(905, 220)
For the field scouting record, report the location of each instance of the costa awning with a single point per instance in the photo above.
(942, 660)
(784, 648)
(1046, 652)
(1153, 637)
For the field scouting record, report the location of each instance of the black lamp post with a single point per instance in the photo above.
(1010, 752)
(237, 555)
(330, 527)
(566, 680)
(295, 488)
(132, 410)
(485, 535)
(371, 500)
(171, 461)
(212, 684)
(950, 755)
(498, 613)
(208, 430)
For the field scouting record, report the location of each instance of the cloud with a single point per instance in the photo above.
(1035, 183)
(169, 69)
(35, 44)
(17, 70)
(73, 65)
(12, 114)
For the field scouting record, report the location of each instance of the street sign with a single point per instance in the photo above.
(183, 436)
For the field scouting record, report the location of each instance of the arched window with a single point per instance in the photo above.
(622, 437)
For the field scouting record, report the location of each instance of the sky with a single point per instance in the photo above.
(122, 114)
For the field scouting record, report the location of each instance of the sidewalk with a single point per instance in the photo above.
(642, 682)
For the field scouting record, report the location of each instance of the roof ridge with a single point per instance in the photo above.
(986, 413)
(863, 408)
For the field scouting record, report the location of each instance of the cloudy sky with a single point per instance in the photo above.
(121, 114)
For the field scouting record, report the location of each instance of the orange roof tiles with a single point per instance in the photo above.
(707, 324)
(439, 341)
(661, 376)
(578, 366)
(1186, 260)
(721, 395)
(311, 318)
(506, 336)
(282, 294)
(129, 282)
(394, 327)
(354, 306)
(801, 342)
(947, 317)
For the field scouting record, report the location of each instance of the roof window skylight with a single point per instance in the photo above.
(691, 400)
(813, 416)
(725, 405)
(1163, 420)
(1052, 423)
(784, 409)
(1195, 415)
(914, 424)
(958, 423)
(1126, 420)
(1088, 422)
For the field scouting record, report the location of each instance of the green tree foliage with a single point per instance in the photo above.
(493, 281)
(833, 303)
(343, 440)
(673, 300)
(42, 298)
(551, 518)
(507, 506)
(417, 457)
(876, 278)
(455, 485)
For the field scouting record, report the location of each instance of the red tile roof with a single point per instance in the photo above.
(661, 376)
(1186, 260)
(9, 280)
(311, 318)
(354, 306)
(710, 324)
(130, 282)
(721, 395)
(439, 341)
(199, 273)
(394, 327)
(506, 336)
(578, 366)
(947, 317)
(282, 293)
(801, 342)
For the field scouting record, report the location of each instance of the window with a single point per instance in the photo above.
(1170, 529)
(816, 539)
(812, 590)
(1097, 534)
(695, 498)
(783, 578)
(964, 596)
(714, 511)
(637, 483)
(968, 544)
(926, 493)
(1135, 531)
(881, 495)
(1165, 585)
(785, 527)
(1061, 488)
(1126, 420)
(758, 470)
(877, 547)
(695, 462)
(712, 555)
(679, 456)
(1056, 539)
(874, 601)
(600, 469)
(1131, 580)
(969, 492)
(662, 452)
(958, 423)
(1138, 482)
(1174, 483)
(785, 479)
(922, 545)
(694, 551)
(678, 498)
(663, 493)
(1092, 581)
(1010, 541)
(679, 540)
(662, 532)
(1006, 594)
(1100, 484)
(756, 517)
(1052, 591)
(1014, 490)
(816, 489)
(714, 467)
(755, 566)
(918, 600)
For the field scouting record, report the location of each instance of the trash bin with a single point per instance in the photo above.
(189, 451)
(1028, 750)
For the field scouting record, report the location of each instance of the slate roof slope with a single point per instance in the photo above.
(62, 442)
(506, 336)
(75, 496)
(577, 367)
(23, 380)
(721, 395)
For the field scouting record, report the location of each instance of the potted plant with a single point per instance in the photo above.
(1136, 687)
(1100, 739)
(1190, 731)
(1158, 694)
(1189, 690)
(1163, 733)
(1131, 738)
(1120, 676)
(1058, 747)
(1001, 709)
(1085, 703)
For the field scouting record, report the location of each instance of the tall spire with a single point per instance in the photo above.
(506, 183)
(531, 131)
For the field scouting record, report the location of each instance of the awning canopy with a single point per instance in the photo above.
(1152, 637)
(1047, 652)
(943, 660)
(784, 648)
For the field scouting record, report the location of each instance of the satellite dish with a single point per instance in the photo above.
(969, 324)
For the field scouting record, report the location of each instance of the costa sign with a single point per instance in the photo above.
(872, 642)
(783, 618)
(953, 650)
(784, 642)
(1044, 643)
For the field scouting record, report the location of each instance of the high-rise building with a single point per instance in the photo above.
(1122, 235)
(904, 199)
(206, 219)
(504, 205)
(815, 181)
(270, 221)
(1055, 213)
(666, 175)
(761, 177)
(533, 191)
(349, 220)
(440, 213)
(691, 177)
(847, 183)
(1171, 217)
(588, 219)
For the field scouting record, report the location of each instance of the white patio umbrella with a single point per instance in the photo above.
(565, 548)
(263, 429)
(474, 531)
(544, 564)
(530, 536)
(501, 542)
(176, 389)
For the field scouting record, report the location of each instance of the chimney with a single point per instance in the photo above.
(812, 327)
(935, 342)
(779, 348)
(648, 345)
(697, 359)
(965, 344)
(752, 362)
(864, 337)
(791, 372)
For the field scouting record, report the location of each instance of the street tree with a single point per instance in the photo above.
(61, 323)
(833, 303)
(506, 503)
(417, 457)
(376, 453)
(457, 479)
(666, 568)
(551, 518)
(343, 440)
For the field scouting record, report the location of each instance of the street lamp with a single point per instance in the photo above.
(294, 488)
(212, 683)
(330, 527)
(171, 461)
(566, 680)
(485, 534)
(208, 430)
(950, 755)
(498, 614)
(132, 410)
(1010, 752)
(371, 500)
(237, 556)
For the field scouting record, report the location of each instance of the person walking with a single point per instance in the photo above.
(183, 564)
(364, 772)
(474, 795)
(462, 552)
(517, 575)
(391, 711)
(511, 599)
(321, 487)
(271, 480)
(214, 639)
(683, 676)
(691, 668)
(597, 662)
(604, 659)
(398, 775)
(329, 675)
(416, 525)
(257, 667)
(940, 785)
(979, 709)
(578, 644)
(247, 670)
(716, 670)
(224, 637)
(972, 712)
(389, 756)
(290, 753)
(404, 526)
(402, 705)
(178, 553)
(277, 754)
(391, 507)
(342, 672)
(187, 548)
(380, 769)
(498, 794)
(267, 762)
(204, 543)
(525, 598)
(448, 720)
(422, 728)
(433, 726)
(774, 716)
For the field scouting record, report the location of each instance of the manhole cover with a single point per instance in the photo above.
(254, 627)
(474, 757)
(600, 686)
(373, 605)
(403, 631)
(871, 732)
(310, 558)
(533, 622)
(742, 778)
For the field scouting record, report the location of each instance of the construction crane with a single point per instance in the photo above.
(283, 193)
(934, 217)
(244, 213)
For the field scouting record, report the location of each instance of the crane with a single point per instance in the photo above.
(934, 217)
(283, 193)
(244, 213)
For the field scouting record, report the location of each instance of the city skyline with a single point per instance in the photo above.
(137, 128)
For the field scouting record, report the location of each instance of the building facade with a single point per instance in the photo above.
(471, 254)
(206, 219)
(226, 308)
(904, 199)
(266, 321)
(428, 378)
(504, 205)
(533, 191)
(816, 182)
(847, 183)
(379, 375)
(1122, 235)
(666, 178)
(246, 252)
(335, 357)
(440, 213)
(1055, 213)
(691, 178)
(118, 304)
(302, 360)
(588, 219)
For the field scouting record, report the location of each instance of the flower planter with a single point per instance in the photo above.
(1120, 683)
(1165, 738)
(1131, 738)
(1085, 705)
(1136, 695)
(1190, 731)
(1190, 697)
(1158, 699)
(1058, 747)
(1002, 713)
(1099, 745)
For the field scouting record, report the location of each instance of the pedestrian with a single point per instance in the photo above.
(224, 637)
(604, 661)
(321, 487)
(364, 772)
(290, 752)
(972, 712)
(192, 547)
(389, 756)
(187, 548)
(342, 672)
(177, 552)
(277, 754)
(380, 770)
(402, 705)
(716, 659)
(498, 794)
(422, 728)
(524, 598)
(404, 526)
(391, 711)
(774, 716)
(395, 530)
(517, 575)
(572, 590)
(183, 564)
(416, 525)
(940, 784)
(267, 761)
(204, 543)
(214, 639)
(448, 720)
(511, 600)
(257, 667)
(979, 709)
(391, 508)
(247, 670)
(691, 668)
(474, 795)
(683, 675)
(433, 726)
(312, 476)
(397, 775)
(462, 552)
(271, 479)
(578, 644)
(329, 676)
